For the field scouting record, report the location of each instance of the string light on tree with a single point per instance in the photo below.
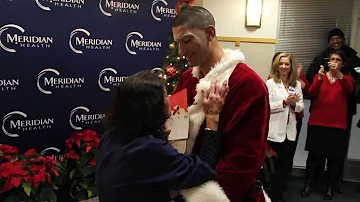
(175, 64)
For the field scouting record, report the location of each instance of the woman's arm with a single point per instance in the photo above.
(299, 105)
(276, 106)
(174, 170)
(347, 84)
(188, 171)
(315, 86)
(305, 85)
(212, 141)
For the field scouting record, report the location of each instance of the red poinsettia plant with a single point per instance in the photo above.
(80, 162)
(27, 177)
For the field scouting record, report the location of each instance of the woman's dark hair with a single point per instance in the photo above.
(343, 57)
(138, 107)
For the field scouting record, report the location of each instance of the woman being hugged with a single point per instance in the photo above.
(326, 136)
(286, 99)
(135, 162)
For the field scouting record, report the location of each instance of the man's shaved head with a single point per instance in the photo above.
(194, 17)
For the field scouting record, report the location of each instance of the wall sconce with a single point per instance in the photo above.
(253, 13)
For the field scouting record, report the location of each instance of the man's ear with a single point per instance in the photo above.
(210, 32)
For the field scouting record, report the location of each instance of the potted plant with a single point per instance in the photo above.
(28, 177)
(80, 162)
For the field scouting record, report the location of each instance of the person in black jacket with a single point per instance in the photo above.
(135, 161)
(336, 40)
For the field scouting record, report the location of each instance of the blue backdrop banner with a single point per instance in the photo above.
(61, 59)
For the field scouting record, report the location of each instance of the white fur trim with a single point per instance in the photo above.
(208, 192)
(221, 71)
(267, 198)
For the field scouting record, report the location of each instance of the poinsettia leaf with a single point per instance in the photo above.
(12, 199)
(84, 185)
(27, 188)
(83, 146)
(92, 191)
(85, 158)
(30, 200)
(88, 180)
(88, 170)
(268, 153)
(77, 174)
(54, 187)
(58, 181)
(71, 174)
(64, 163)
(47, 194)
(95, 151)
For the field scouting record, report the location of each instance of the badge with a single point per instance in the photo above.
(291, 90)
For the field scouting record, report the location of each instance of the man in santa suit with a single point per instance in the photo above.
(244, 119)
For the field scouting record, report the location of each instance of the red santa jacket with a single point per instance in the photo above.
(244, 121)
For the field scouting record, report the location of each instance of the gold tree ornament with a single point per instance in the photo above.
(171, 45)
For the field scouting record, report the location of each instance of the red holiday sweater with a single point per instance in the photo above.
(329, 107)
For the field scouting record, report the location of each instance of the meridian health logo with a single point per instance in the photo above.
(106, 80)
(132, 44)
(106, 7)
(85, 42)
(158, 12)
(17, 121)
(83, 118)
(22, 41)
(46, 4)
(56, 82)
(54, 152)
(43, 152)
(9, 84)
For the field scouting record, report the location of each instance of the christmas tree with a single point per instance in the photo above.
(174, 64)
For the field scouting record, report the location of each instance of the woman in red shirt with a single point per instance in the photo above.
(327, 137)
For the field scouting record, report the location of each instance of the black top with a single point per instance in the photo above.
(146, 168)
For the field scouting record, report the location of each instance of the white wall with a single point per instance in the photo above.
(230, 22)
(230, 18)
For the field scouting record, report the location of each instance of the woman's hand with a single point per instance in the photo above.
(321, 72)
(213, 103)
(299, 69)
(292, 99)
(334, 66)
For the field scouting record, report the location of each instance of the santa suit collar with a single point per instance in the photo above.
(221, 71)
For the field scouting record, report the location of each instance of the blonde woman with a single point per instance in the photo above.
(286, 99)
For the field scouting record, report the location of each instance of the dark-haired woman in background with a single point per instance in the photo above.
(135, 162)
(327, 136)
